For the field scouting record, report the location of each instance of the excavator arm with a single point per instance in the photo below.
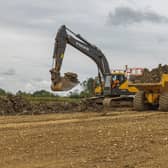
(66, 36)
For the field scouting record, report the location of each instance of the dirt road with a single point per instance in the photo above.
(85, 140)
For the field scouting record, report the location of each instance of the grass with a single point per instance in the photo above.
(51, 99)
(37, 99)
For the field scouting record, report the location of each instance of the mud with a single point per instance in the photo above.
(152, 76)
(17, 105)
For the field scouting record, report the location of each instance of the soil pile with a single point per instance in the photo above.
(73, 77)
(152, 76)
(53, 107)
(17, 105)
(13, 105)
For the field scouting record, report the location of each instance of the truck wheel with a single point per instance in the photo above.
(163, 102)
(139, 101)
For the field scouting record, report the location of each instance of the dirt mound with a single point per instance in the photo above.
(13, 105)
(71, 76)
(17, 105)
(54, 107)
(152, 76)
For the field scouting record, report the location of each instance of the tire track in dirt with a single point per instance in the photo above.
(109, 116)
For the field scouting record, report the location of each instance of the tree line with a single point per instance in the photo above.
(87, 91)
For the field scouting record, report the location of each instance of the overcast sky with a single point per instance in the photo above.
(127, 31)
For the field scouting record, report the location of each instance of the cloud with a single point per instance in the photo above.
(28, 28)
(1, 78)
(32, 85)
(9, 72)
(42, 16)
(127, 16)
(162, 40)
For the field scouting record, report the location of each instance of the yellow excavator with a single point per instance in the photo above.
(112, 87)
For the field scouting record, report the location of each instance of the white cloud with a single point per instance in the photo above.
(2, 78)
(126, 16)
(9, 72)
(37, 85)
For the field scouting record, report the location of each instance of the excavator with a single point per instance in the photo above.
(114, 86)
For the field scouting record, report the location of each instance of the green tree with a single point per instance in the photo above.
(43, 93)
(21, 93)
(2, 92)
(88, 88)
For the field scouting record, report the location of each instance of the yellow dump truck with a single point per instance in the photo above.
(151, 95)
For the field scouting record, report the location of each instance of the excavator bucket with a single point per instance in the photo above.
(65, 83)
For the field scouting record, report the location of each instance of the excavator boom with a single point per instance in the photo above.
(66, 36)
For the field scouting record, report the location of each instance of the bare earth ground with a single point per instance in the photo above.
(85, 140)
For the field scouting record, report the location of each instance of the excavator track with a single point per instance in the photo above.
(112, 102)
(118, 102)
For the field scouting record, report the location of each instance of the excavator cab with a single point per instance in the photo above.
(115, 81)
(118, 78)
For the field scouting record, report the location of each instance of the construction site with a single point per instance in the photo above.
(123, 125)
